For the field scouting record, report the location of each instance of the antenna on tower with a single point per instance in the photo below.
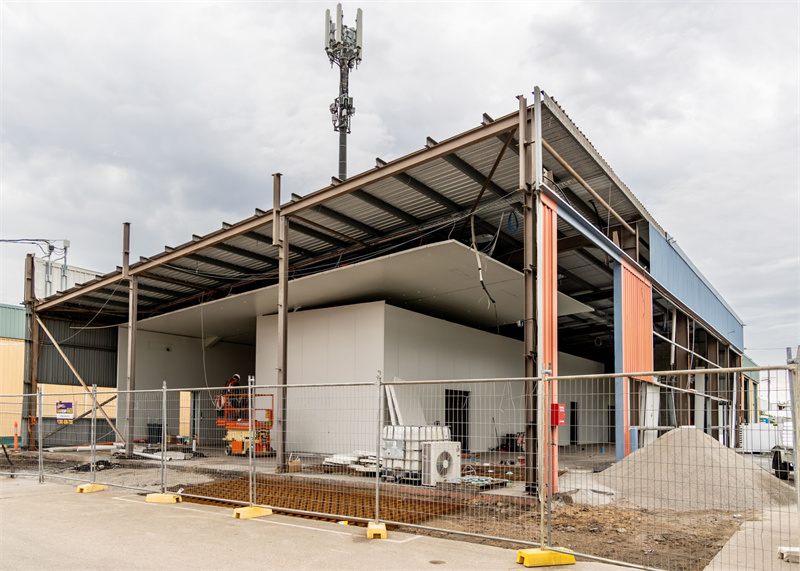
(343, 46)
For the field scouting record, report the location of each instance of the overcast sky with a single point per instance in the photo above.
(174, 115)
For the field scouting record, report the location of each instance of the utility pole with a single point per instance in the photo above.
(343, 46)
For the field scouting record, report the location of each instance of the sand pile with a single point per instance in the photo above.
(688, 470)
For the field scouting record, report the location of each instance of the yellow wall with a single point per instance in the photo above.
(80, 399)
(12, 362)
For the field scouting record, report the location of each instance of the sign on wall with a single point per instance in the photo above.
(64, 413)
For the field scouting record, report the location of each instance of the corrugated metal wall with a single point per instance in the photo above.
(669, 268)
(74, 276)
(12, 321)
(93, 353)
(637, 321)
(549, 322)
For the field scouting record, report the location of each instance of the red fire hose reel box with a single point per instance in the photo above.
(557, 414)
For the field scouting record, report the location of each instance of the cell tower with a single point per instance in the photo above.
(343, 46)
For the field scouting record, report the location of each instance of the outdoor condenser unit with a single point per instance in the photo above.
(440, 461)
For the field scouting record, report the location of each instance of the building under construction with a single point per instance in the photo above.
(511, 250)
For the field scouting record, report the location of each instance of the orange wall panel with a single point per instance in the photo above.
(637, 325)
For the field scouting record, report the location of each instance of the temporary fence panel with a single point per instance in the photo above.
(464, 471)
(683, 499)
(11, 462)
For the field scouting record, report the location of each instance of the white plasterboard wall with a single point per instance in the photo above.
(332, 345)
(179, 361)
(419, 347)
(352, 343)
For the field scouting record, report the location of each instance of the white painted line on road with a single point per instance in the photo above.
(301, 526)
(176, 506)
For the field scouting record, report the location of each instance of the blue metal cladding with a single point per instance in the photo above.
(672, 269)
(12, 321)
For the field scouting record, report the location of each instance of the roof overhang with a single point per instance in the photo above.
(440, 280)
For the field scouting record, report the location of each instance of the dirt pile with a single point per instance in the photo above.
(687, 470)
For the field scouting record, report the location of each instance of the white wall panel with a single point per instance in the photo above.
(331, 345)
(421, 347)
(179, 361)
(593, 398)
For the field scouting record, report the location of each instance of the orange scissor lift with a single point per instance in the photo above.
(233, 415)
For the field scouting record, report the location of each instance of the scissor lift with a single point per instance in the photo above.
(233, 415)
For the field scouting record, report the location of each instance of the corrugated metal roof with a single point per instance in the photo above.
(12, 321)
(421, 198)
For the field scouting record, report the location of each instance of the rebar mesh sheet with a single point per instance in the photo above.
(323, 497)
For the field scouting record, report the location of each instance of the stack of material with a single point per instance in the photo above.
(688, 470)
(358, 461)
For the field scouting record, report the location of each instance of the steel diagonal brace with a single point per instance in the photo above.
(77, 376)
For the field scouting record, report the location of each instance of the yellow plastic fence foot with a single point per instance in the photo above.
(376, 530)
(163, 498)
(251, 511)
(91, 488)
(542, 558)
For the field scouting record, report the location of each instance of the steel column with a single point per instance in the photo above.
(39, 428)
(30, 384)
(163, 437)
(130, 370)
(794, 393)
(281, 240)
(621, 384)
(529, 324)
(379, 388)
(94, 432)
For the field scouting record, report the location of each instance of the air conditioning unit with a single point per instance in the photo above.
(440, 461)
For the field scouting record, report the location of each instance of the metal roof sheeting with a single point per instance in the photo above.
(12, 321)
(426, 195)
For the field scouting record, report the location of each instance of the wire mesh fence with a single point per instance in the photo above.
(650, 470)
(12, 436)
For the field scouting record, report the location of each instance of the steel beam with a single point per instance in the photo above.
(344, 219)
(338, 243)
(142, 298)
(323, 228)
(476, 175)
(386, 207)
(174, 281)
(292, 248)
(452, 206)
(573, 173)
(236, 268)
(255, 256)
(401, 165)
(104, 302)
